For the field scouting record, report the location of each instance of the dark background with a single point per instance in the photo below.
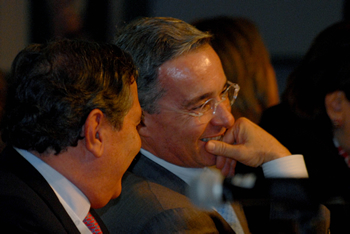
(287, 26)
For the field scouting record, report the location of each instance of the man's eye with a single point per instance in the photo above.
(198, 107)
(203, 106)
(225, 90)
(207, 105)
(224, 94)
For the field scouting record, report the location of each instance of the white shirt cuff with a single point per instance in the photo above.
(292, 166)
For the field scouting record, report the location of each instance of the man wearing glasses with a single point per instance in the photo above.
(186, 102)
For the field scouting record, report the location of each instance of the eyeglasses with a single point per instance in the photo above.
(228, 96)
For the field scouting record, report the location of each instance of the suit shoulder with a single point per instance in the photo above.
(147, 195)
(146, 205)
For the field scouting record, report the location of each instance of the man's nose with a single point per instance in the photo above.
(223, 115)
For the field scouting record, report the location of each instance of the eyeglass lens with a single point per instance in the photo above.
(209, 108)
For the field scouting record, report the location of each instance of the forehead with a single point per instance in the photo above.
(193, 74)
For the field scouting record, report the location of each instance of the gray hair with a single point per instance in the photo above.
(152, 42)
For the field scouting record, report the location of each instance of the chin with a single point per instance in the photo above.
(100, 201)
(210, 159)
(118, 190)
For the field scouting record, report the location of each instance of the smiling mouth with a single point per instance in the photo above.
(218, 138)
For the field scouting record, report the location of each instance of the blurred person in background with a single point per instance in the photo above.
(313, 118)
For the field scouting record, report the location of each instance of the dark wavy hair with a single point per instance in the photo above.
(53, 87)
(324, 69)
(153, 41)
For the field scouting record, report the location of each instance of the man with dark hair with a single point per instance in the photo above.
(186, 102)
(70, 127)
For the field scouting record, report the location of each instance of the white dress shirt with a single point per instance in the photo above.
(73, 200)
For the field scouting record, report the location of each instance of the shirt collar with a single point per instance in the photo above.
(72, 199)
(187, 174)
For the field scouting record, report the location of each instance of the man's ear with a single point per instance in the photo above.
(93, 132)
(334, 107)
(143, 126)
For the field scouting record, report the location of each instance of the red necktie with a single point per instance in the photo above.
(91, 223)
(345, 155)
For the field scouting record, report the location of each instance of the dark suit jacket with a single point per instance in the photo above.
(27, 202)
(327, 170)
(153, 201)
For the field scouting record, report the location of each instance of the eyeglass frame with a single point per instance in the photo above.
(217, 103)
